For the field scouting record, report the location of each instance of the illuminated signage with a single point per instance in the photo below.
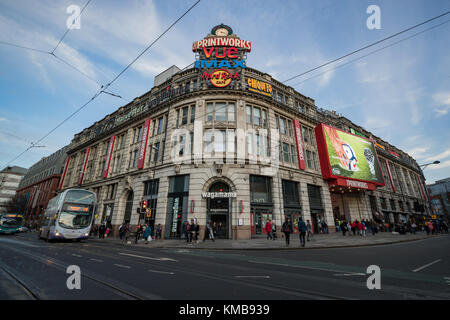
(205, 64)
(213, 195)
(259, 87)
(78, 209)
(346, 155)
(220, 78)
(221, 42)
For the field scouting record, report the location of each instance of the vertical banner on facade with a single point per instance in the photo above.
(298, 138)
(108, 156)
(421, 187)
(83, 167)
(390, 175)
(61, 180)
(143, 146)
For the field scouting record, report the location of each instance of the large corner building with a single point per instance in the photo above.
(226, 143)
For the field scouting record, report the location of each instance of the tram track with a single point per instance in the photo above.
(115, 288)
(20, 282)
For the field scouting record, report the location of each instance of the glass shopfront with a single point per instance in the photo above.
(291, 201)
(316, 207)
(177, 205)
(261, 206)
(151, 188)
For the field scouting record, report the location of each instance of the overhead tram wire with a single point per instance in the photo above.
(103, 88)
(68, 29)
(366, 47)
(372, 52)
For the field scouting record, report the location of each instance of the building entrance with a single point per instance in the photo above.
(219, 209)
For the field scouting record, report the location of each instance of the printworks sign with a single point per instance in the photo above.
(221, 51)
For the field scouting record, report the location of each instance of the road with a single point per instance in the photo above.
(34, 269)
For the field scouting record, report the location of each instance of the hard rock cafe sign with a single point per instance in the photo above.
(219, 53)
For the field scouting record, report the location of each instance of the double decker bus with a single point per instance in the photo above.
(69, 215)
(10, 223)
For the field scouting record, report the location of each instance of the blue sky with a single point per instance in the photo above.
(401, 94)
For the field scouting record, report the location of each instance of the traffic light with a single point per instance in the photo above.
(144, 204)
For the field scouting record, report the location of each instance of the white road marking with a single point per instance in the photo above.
(349, 274)
(77, 255)
(150, 258)
(294, 266)
(265, 277)
(164, 272)
(426, 266)
(98, 260)
(20, 242)
(122, 266)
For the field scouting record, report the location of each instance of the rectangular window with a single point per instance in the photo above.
(160, 125)
(309, 159)
(290, 128)
(231, 112)
(156, 152)
(264, 118)
(178, 118)
(208, 141)
(305, 134)
(184, 118)
(293, 154)
(256, 116)
(282, 126)
(209, 111)
(221, 111)
(182, 145)
(192, 114)
(219, 141)
(249, 114)
(139, 137)
(286, 153)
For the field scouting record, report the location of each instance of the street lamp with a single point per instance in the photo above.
(423, 166)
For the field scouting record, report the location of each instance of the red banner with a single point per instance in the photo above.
(298, 138)
(83, 167)
(143, 147)
(61, 181)
(390, 175)
(108, 156)
(421, 187)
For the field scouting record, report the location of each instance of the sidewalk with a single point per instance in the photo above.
(333, 240)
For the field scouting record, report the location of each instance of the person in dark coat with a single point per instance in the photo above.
(302, 231)
(287, 229)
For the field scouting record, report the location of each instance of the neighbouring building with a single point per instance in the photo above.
(226, 143)
(440, 197)
(10, 178)
(39, 185)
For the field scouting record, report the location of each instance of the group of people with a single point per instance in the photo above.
(101, 231)
(104, 230)
(305, 231)
(362, 228)
(190, 231)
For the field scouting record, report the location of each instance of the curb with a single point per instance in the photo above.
(286, 248)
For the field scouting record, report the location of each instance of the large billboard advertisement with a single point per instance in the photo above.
(346, 155)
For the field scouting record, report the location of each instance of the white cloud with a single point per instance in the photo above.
(418, 152)
(440, 156)
(3, 119)
(442, 99)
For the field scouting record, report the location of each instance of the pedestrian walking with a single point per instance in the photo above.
(191, 231)
(302, 231)
(147, 233)
(269, 230)
(208, 232)
(287, 230)
(309, 230)
(274, 231)
(158, 231)
(344, 227)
